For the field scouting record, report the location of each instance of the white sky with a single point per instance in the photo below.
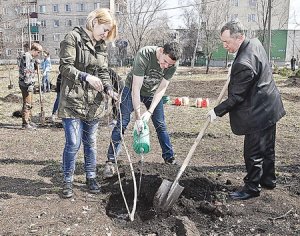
(294, 22)
(175, 21)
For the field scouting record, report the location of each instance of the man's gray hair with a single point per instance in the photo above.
(235, 28)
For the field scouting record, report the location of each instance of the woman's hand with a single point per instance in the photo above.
(95, 82)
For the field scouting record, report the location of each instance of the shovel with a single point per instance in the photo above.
(42, 115)
(10, 86)
(169, 192)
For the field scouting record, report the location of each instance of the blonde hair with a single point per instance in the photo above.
(104, 16)
(36, 47)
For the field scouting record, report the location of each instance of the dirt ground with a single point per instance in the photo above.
(31, 177)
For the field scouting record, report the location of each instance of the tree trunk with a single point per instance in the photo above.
(196, 46)
(208, 62)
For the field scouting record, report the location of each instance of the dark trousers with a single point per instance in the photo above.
(27, 105)
(259, 155)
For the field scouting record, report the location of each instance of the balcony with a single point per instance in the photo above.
(34, 29)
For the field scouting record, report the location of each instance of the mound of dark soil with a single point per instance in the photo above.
(293, 81)
(12, 98)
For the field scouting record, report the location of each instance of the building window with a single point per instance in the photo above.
(252, 3)
(251, 17)
(97, 5)
(33, 21)
(68, 7)
(32, 8)
(6, 39)
(55, 8)
(80, 7)
(68, 22)
(234, 17)
(42, 8)
(56, 37)
(8, 52)
(43, 23)
(234, 3)
(56, 23)
(5, 11)
(81, 22)
(19, 38)
(35, 37)
(19, 51)
(42, 37)
(21, 10)
(7, 25)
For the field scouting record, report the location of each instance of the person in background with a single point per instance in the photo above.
(55, 105)
(147, 82)
(46, 67)
(254, 106)
(27, 67)
(85, 82)
(293, 63)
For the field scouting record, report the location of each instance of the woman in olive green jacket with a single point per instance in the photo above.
(85, 81)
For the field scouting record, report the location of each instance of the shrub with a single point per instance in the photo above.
(285, 72)
(297, 74)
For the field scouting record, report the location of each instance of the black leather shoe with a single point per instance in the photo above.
(241, 195)
(67, 190)
(269, 187)
(93, 186)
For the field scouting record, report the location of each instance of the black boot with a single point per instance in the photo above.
(67, 190)
(92, 185)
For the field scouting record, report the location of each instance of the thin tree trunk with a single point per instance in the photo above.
(208, 62)
(196, 46)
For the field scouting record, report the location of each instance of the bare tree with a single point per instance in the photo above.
(144, 22)
(278, 11)
(197, 10)
(213, 15)
(203, 22)
(188, 35)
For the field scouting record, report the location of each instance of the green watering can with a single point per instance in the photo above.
(141, 142)
(141, 145)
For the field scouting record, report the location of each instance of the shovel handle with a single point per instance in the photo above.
(40, 94)
(200, 135)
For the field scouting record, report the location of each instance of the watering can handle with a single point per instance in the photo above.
(200, 135)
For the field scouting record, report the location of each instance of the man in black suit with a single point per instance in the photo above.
(254, 106)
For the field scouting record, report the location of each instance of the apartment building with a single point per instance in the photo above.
(284, 42)
(14, 20)
(252, 13)
(43, 21)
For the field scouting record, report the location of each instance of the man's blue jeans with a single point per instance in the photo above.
(77, 130)
(158, 119)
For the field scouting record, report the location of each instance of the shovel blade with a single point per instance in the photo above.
(166, 195)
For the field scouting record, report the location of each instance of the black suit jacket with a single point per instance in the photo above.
(254, 102)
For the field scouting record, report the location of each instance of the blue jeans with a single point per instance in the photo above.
(55, 106)
(77, 130)
(46, 83)
(158, 119)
